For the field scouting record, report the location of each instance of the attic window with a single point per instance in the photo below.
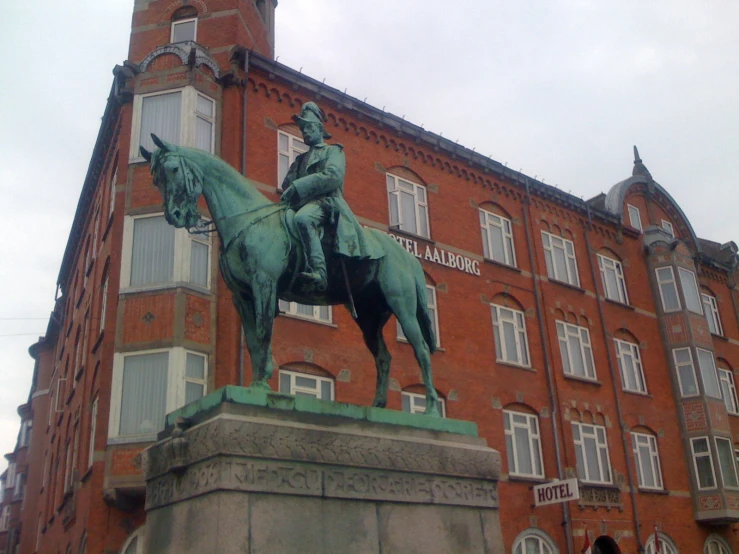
(184, 24)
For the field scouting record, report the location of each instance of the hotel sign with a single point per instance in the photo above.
(556, 491)
(439, 256)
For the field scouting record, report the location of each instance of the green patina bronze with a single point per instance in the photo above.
(318, 255)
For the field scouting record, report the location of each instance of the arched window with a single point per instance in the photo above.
(728, 386)
(135, 542)
(433, 314)
(716, 545)
(509, 331)
(408, 203)
(665, 544)
(710, 307)
(289, 147)
(83, 544)
(301, 379)
(646, 460)
(414, 400)
(534, 541)
(497, 235)
(184, 24)
(523, 443)
(629, 362)
(612, 277)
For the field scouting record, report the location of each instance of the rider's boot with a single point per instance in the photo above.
(315, 271)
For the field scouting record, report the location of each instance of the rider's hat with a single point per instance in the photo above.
(311, 113)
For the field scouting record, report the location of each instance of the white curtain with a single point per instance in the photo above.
(161, 114)
(199, 263)
(152, 260)
(144, 398)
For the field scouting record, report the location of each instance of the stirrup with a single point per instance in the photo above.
(318, 280)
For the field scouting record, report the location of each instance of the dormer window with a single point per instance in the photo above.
(184, 25)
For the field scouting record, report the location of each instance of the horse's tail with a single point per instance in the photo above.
(422, 310)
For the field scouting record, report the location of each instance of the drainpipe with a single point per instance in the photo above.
(553, 400)
(612, 370)
(242, 338)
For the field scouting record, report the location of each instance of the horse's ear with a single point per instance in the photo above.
(145, 153)
(159, 142)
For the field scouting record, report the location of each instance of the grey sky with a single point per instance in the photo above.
(560, 89)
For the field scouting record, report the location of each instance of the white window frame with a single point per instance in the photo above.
(420, 202)
(606, 264)
(728, 390)
(710, 307)
(5, 518)
(417, 403)
(179, 22)
(709, 375)
(182, 253)
(295, 147)
(668, 228)
(588, 431)
(138, 535)
(188, 116)
(176, 380)
(640, 442)
(702, 454)
(104, 295)
(715, 544)
(292, 309)
(553, 242)
(625, 352)
(692, 295)
(689, 364)
(488, 220)
(634, 211)
(732, 463)
(544, 544)
(517, 319)
(662, 281)
(295, 389)
(93, 430)
(530, 426)
(666, 545)
(565, 331)
(434, 313)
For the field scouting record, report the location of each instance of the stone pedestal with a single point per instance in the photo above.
(250, 472)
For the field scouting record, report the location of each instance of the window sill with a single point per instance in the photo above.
(662, 492)
(527, 479)
(98, 342)
(514, 365)
(501, 264)
(637, 393)
(163, 287)
(137, 439)
(584, 380)
(397, 230)
(610, 486)
(308, 319)
(405, 341)
(86, 476)
(565, 284)
(619, 303)
(732, 413)
(720, 337)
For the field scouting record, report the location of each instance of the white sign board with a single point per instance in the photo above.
(556, 491)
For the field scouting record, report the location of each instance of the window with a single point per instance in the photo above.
(685, 371)
(93, 428)
(707, 366)
(728, 390)
(591, 449)
(5, 519)
(533, 541)
(667, 289)
(497, 238)
(509, 332)
(667, 227)
(184, 30)
(726, 462)
(10, 475)
(161, 255)
(135, 542)
(415, 403)
(559, 254)
(433, 314)
(288, 148)
(574, 346)
(25, 434)
(103, 301)
(303, 384)
(666, 546)
(612, 276)
(635, 217)
(716, 545)
(690, 290)
(523, 444)
(183, 117)
(113, 183)
(646, 457)
(147, 386)
(629, 362)
(703, 463)
(317, 313)
(711, 310)
(408, 206)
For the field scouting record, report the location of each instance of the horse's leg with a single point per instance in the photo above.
(257, 315)
(371, 322)
(404, 308)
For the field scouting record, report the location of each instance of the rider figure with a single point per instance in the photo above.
(314, 186)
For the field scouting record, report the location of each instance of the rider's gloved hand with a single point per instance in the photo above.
(289, 195)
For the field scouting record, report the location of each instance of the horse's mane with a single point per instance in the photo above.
(192, 174)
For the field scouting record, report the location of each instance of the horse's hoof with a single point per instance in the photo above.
(260, 385)
(379, 403)
(432, 409)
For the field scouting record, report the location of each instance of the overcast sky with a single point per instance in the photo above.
(558, 89)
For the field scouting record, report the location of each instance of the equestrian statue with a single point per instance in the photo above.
(307, 248)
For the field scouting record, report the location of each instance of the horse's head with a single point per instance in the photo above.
(179, 180)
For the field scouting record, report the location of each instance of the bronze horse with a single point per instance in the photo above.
(258, 261)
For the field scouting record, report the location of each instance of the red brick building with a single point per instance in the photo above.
(592, 339)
